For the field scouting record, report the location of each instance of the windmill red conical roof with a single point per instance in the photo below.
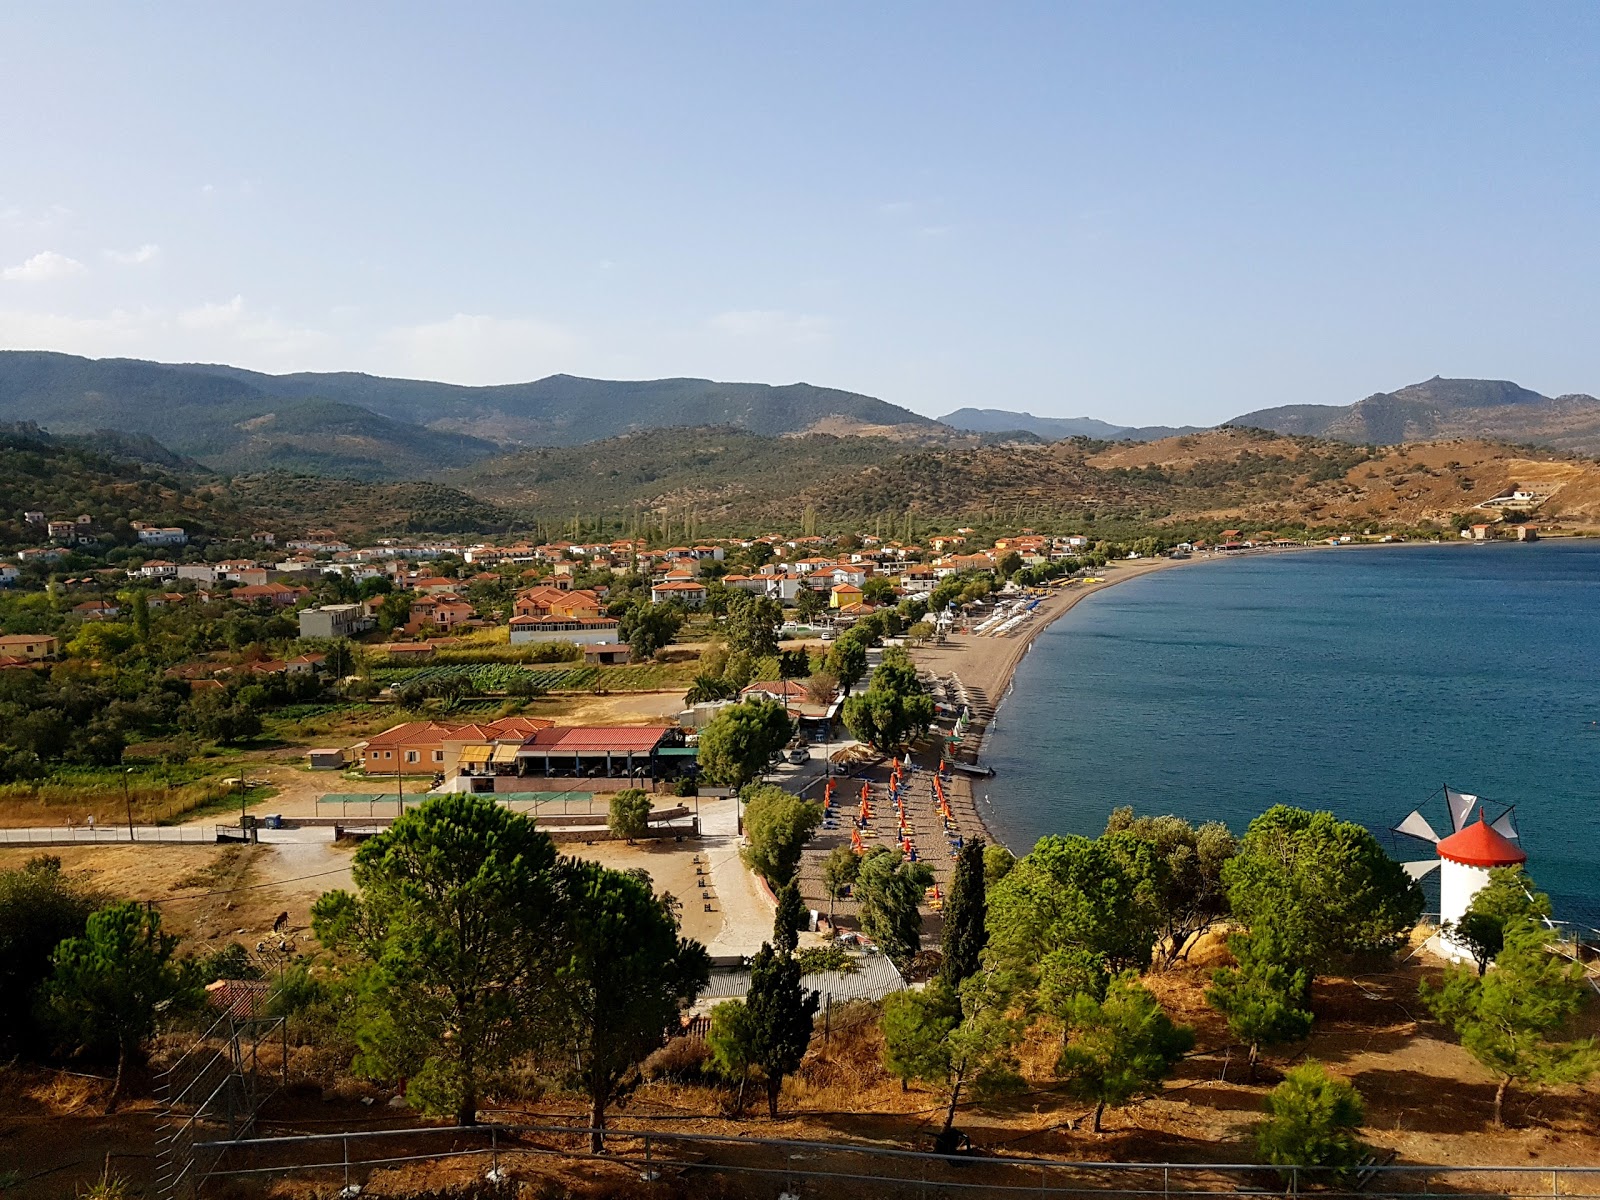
(1478, 845)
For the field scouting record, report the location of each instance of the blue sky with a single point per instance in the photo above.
(1145, 213)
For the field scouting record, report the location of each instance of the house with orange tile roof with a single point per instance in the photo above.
(443, 611)
(418, 747)
(844, 596)
(687, 592)
(30, 646)
(280, 595)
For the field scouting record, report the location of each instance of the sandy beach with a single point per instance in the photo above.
(985, 666)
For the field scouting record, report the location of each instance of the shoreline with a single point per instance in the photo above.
(986, 666)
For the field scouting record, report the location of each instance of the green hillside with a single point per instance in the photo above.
(374, 428)
(65, 477)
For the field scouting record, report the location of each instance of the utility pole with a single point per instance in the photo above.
(127, 798)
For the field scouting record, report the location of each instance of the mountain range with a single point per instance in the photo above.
(1438, 408)
(379, 429)
(366, 426)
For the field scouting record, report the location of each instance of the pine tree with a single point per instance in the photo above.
(965, 915)
(1311, 1121)
(1119, 1047)
(1507, 1018)
(110, 986)
(1261, 998)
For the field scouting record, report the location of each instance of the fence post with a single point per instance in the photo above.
(1166, 1181)
(494, 1150)
(1294, 1181)
(346, 1143)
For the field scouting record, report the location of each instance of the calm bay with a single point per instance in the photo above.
(1358, 680)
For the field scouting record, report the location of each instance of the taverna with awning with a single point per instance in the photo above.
(583, 756)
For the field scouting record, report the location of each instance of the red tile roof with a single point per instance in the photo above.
(619, 739)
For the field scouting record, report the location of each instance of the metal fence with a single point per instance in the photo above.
(217, 1085)
(830, 1169)
(75, 835)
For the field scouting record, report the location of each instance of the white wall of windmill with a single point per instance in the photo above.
(1458, 884)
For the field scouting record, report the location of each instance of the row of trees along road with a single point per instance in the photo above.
(473, 946)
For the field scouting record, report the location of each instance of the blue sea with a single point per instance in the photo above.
(1359, 680)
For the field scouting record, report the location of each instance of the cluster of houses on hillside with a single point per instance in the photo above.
(547, 602)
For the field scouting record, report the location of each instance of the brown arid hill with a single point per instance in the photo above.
(1495, 410)
(1399, 486)
(737, 480)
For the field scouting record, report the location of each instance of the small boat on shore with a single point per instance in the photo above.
(976, 770)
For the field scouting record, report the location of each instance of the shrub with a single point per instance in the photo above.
(1311, 1121)
(681, 1060)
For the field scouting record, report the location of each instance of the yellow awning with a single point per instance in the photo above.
(471, 755)
(506, 752)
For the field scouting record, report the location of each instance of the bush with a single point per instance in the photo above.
(681, 1060)
(1311, 1121)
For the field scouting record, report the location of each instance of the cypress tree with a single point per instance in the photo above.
(965, 914)
(789, 919)
(781, 1015)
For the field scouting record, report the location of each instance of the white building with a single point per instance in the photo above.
(334, 621)
(154, 535)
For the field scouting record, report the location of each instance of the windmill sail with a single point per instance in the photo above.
(1461, 806)
(1416, 825)
(1503, 826)
(1418, 869)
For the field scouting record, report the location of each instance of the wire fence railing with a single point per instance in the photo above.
(837, 1168)
(73, 835)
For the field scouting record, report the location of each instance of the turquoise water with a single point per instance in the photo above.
(1357, 680)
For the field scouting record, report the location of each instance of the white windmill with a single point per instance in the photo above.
(1466, 856)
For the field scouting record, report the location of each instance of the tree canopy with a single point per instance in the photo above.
(40, 907)
(1069, 916)
(894, 709)
(1311, 1121)
(1120, 1047)
(1320, 886)
(628, 815)
(889, 888)
(1510, 1018)
(778, 825)
(1180, 876)
(622, 975)
(1263, 999)
(966, 912)
(108, 987)
(457, 911)
(781, 1014)
(739, 741)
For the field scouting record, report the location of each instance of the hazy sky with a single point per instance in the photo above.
(1145, 213)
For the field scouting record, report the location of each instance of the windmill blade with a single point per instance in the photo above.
(1418, 869)
(1503, 826)
(1461, 806)
(1416, 825)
